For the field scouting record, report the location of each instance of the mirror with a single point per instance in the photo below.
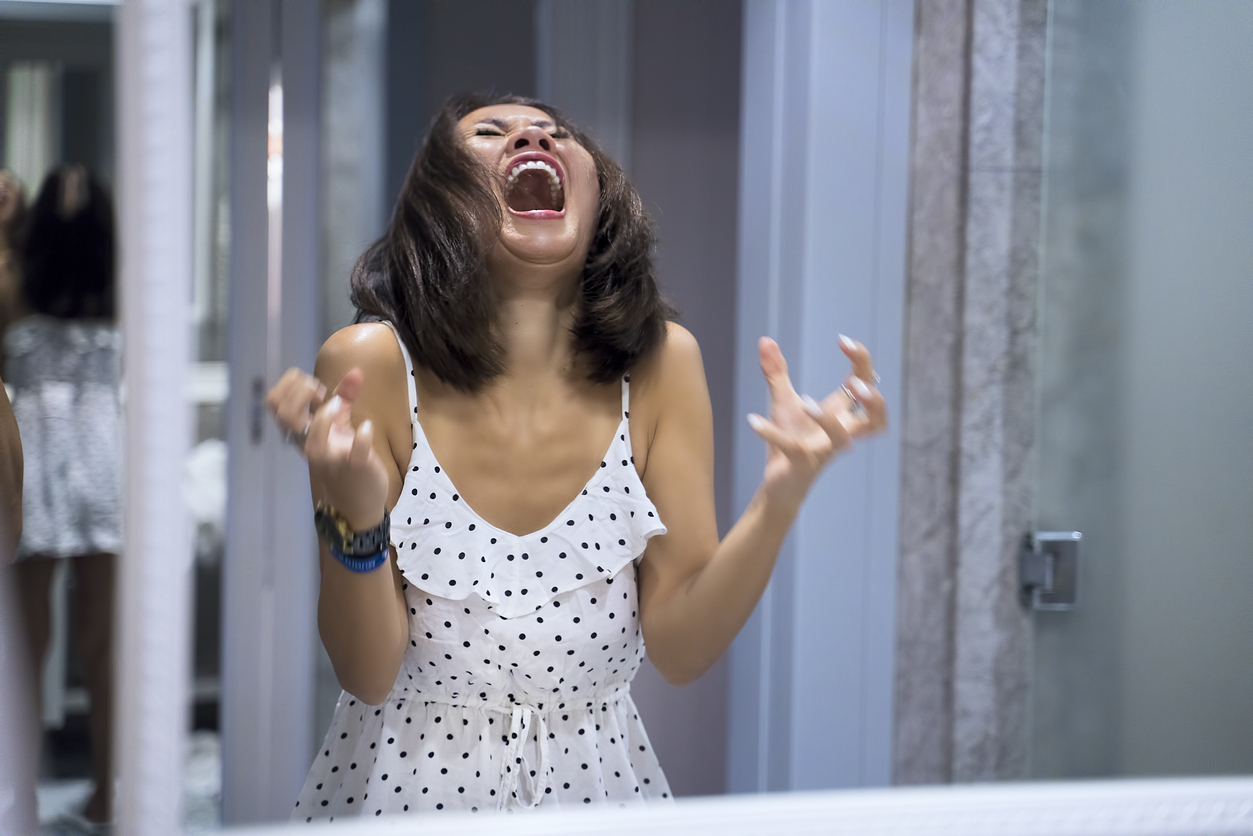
(786, 203)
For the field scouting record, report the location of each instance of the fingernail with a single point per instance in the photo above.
(811, 406)
(367, 425)
(334, 403)
(861, 387)
(848, 343)
(756, 421)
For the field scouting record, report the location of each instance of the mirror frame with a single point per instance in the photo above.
(1215, 806)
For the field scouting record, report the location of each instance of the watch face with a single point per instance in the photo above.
(334, 531)
(329, 528)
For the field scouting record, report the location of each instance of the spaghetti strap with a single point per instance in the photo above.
(626, 396)
(410, 377)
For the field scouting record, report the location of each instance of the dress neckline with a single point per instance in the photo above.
(619, 435)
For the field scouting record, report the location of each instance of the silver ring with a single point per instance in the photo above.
(298, 440)
(854, 405)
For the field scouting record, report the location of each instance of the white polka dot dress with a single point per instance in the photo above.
(515, 688)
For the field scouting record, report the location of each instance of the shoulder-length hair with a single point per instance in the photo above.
(427, 275)
(68, 262)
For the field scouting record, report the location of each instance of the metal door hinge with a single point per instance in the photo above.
(1048, 570)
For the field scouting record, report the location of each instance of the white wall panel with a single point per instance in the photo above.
(823, 179)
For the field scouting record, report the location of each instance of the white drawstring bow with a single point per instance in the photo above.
(514, 771)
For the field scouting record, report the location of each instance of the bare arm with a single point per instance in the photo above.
(352, 449)
(696, 592)
(10, 477)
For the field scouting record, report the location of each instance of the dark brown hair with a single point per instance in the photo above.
(427, 275)
(68, 263)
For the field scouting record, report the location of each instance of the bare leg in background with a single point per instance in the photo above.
(93, 608)
(94, 582)
(34, 586)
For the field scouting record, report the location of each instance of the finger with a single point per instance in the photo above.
(317, 440)
(842, 401)
(863, 366)
(279, 391)
(297, 408)
(349, 387)
(770, 432)
(875, 412)
(774, 367)
(832, 420)
(362, 444)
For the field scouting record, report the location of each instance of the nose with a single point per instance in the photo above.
(532, 137)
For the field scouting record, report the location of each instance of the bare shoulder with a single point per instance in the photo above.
(384, 397)
(668, 389)
(369, 346)
(675, 367)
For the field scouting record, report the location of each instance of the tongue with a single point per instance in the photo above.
(531, 191)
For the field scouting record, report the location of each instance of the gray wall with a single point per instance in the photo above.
(1148, 391)
(685, 163)
(439, 47)
(1083, 340)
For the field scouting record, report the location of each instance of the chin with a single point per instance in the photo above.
(521, 242)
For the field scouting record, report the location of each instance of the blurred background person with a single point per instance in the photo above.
(12, 225)
(62, 360)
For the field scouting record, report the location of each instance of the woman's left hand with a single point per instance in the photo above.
(804, 434)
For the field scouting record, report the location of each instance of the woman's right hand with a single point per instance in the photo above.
(292, 401)
(344, 470)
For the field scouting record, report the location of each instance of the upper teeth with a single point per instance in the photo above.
(539, 165)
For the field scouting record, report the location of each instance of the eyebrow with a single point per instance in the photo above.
(504, 125)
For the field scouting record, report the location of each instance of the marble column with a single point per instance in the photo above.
(963, 653)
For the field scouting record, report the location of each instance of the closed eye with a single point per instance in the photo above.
(484, 131)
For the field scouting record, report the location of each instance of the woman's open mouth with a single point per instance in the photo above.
(533, 187)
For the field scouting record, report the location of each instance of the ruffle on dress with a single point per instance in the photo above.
(443, 547)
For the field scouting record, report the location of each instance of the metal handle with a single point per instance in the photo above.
(1048, 570)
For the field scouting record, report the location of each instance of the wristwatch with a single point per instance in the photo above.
(335, 531)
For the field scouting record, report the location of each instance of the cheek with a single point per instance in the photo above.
(588, 198)
(589, 205)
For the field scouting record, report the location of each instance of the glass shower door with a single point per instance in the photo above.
(1145, 414)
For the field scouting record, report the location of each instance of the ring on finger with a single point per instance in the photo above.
(297, 439)
(854, 405)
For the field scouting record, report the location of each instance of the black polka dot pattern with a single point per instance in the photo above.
(515, 687)
(606, 527)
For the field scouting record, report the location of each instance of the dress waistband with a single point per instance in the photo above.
(523, 775)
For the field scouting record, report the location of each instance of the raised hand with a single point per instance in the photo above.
(292, 401)
(803, 434)
(344, 469)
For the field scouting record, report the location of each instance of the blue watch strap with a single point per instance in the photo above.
(360, 564)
